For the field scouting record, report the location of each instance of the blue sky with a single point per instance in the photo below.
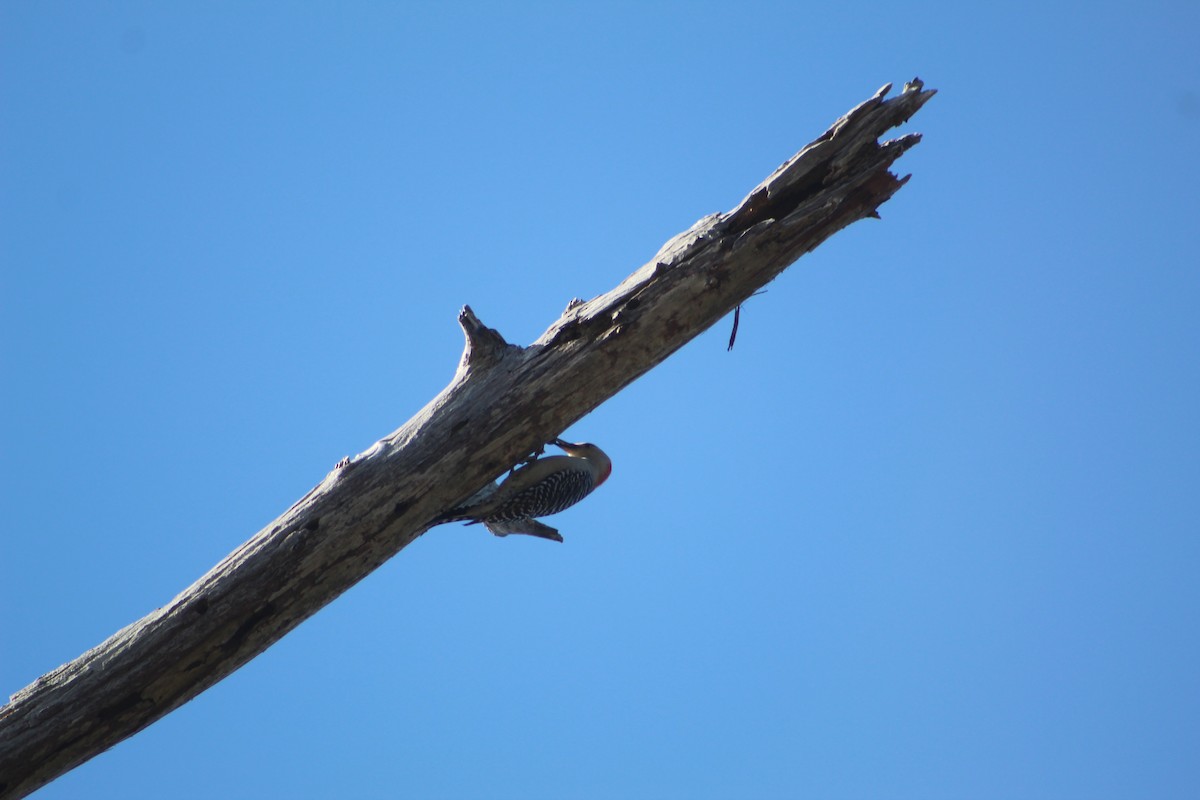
(928, 531)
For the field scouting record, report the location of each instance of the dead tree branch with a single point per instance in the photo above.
(503, 403)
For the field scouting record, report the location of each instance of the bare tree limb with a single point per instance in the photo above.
(503, 403)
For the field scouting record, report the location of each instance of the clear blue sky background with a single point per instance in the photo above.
(930, 530)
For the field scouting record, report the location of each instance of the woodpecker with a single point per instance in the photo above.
(540, 488)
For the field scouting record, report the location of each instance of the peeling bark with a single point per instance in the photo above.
(504, 402)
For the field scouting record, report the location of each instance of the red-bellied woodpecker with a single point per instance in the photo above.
(540, 488)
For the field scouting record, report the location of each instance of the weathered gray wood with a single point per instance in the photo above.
(503, 402)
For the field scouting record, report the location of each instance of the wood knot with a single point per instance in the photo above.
(485, 346)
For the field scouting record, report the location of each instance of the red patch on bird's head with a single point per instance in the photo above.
(604, 475)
